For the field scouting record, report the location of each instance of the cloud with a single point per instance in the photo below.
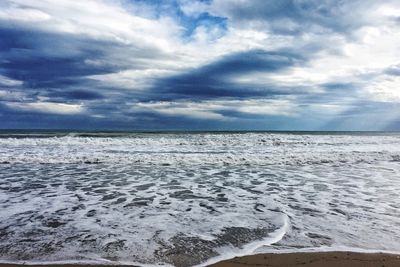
(218, 109)
(23, 15)
(214, 63)
(216, 79)
(384, 88)
(7, 82)
(75, 95)
(47, 107)
(294, 17)
(393, 70)
(176, 109)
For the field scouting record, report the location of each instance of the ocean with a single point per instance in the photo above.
(186, 199)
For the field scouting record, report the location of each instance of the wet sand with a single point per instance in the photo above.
(315, 259)
(303, 259)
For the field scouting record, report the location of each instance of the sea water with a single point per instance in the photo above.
(184, 199)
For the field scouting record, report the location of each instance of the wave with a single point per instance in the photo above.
(249, 249)
(208, 194)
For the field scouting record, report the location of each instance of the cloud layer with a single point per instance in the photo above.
(215, 64)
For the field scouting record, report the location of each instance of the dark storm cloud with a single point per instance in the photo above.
(54, 67)
(215, 79)
(42, 59)
(57, 65)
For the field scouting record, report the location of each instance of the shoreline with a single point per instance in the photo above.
(285, 259)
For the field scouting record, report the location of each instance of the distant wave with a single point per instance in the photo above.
(110, 134)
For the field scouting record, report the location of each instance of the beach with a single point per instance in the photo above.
(303, 259)
(314, 259)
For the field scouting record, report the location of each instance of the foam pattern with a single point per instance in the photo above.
(184, 199)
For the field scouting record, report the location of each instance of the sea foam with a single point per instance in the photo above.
(190, 199)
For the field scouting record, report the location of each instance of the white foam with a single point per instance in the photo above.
(201, 149)
(249, 249)
(150, 190)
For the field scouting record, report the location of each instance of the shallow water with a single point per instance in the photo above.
(182, 199)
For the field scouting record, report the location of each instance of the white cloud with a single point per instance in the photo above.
(214, 109)
(138, 79)
(97, 19)
(265, 107)
(384, 88)
(181, 109)
(13, 96)
(47, 107)
(9, 82)
(23, 15)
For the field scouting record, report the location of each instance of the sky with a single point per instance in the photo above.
(200, 64)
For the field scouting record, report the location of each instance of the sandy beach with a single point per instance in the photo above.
(304, 259)
(315, 259)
